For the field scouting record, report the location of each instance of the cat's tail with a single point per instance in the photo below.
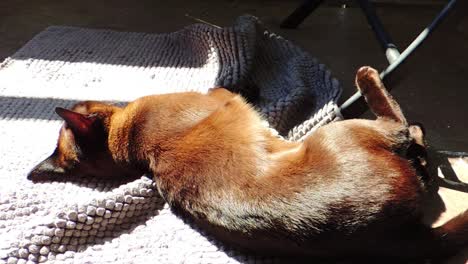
(453, 234)
(380, 102)
(441, 242)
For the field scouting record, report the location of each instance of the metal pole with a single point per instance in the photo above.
(303, 11)
(391, 50)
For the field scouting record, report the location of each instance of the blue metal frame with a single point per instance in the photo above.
(351, 108)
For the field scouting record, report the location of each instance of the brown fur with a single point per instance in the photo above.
(348, 190)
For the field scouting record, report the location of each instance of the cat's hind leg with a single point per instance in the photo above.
(377, 97)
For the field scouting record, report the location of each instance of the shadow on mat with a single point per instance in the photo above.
(18, 108)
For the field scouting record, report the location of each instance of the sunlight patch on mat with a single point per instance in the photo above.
(94, 81)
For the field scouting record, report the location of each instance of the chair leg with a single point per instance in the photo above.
(355, 105)
(391, 51)
(301, 13)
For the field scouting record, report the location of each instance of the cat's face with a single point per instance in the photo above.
(82, 150)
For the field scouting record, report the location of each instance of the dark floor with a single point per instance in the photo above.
(432, 86)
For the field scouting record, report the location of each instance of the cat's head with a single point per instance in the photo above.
(82, 147)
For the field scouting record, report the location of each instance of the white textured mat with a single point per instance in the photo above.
(90, 221)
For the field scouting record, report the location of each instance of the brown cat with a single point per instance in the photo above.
(348, 190)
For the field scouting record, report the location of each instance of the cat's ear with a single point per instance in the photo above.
(80, 124)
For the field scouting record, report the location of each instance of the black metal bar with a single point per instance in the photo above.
(453, 154)
(453, 185)
(391, 50)
(301, 13)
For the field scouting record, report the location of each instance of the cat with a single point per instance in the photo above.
(348, 190)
